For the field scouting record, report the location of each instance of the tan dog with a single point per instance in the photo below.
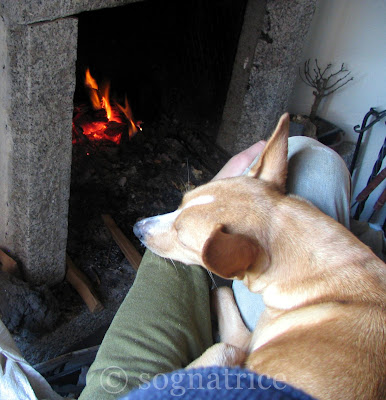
(324, 326)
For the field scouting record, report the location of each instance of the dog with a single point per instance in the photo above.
(323, 328)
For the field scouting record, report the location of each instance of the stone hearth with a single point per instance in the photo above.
(38, 50)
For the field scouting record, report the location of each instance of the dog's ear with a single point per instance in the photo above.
(228, 255)
(273, 164)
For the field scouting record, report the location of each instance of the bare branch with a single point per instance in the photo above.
(326, 69)
(332, 91)
(312, 81)
(307, 76)
(304, 79)
(342, 69)
(339, 80)
(316, 78)
(317, 66)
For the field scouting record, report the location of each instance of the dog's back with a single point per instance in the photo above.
(340, 356)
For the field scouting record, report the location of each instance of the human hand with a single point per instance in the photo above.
(240, 162)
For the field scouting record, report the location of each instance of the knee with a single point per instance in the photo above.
(308, 149)
(309, 158)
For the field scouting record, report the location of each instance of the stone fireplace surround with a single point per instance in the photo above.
(38, 49)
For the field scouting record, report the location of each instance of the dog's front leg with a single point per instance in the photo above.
(231, 327)
(220, 354)
(234, 335)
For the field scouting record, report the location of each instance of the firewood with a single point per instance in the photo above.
(114, 128)
(123, 242)
(8, 264)
(83, 286)
(87, 116)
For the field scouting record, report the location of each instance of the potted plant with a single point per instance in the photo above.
(325, 82)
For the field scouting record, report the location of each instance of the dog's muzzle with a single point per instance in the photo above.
(153, 226)
(140, 230)
(147, 227)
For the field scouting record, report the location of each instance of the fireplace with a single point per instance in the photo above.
(39, 58)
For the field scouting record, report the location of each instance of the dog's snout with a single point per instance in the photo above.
(142, 228)
(155, 229)
(137, 231)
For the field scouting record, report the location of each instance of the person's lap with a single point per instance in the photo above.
(162, 325)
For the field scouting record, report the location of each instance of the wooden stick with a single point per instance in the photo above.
(8, 264)
(83, 286)
(123, 242)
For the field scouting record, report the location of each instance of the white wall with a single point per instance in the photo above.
(353, 32)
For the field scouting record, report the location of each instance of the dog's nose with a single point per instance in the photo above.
(138, 230)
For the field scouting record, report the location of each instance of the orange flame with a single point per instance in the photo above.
(134, 126)
(93, 89)
(100, 99)
(105, 92)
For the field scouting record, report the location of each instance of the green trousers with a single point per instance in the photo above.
(162, 325)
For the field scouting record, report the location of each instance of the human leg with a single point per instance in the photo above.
(156, 329)
(318, 174)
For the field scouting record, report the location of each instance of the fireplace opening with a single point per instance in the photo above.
(169, 64)
(168, 57)
(166, 67)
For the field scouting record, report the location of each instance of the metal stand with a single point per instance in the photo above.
(375, 177)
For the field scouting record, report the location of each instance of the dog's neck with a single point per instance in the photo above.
(296, 251)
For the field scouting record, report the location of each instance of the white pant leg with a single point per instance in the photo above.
(320, 175)
(18, 379)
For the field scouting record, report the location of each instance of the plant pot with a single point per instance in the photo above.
(324, 131)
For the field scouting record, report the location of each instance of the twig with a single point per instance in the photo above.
(123, 242)
(83, 286)
(8, 264)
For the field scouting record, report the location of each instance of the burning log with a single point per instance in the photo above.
(123, 242)
(114, 129)
(83, 286)
(106, 119)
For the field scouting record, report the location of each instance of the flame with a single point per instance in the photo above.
(105, 91)
(134, 126)
(91, 84)
(115, 113)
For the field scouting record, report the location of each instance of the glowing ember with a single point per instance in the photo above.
(107, 120)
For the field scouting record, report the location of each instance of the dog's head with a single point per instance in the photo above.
(224, 225)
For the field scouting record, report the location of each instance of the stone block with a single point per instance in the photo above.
(40, 76)
(31, 11)
(273, 73)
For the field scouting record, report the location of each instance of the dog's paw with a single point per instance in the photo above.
(220, 354)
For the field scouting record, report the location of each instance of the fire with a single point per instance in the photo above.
(91, 84)
(108, 120)
(133, 126)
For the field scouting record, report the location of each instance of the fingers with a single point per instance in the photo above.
(238, 163)
(253, 151)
